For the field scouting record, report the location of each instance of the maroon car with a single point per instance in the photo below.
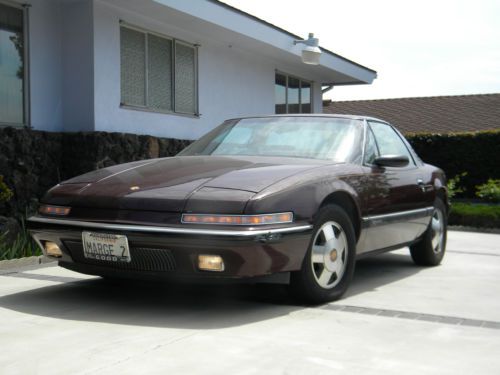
(296, 197)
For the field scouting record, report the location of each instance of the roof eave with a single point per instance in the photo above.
(238, 21)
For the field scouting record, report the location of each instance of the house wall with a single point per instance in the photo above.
(78, 66)
(231, 83)
(61, 65)
(45, 52)
(75, 73)
(317, 98)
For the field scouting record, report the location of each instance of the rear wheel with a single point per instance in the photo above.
(328, 266)
(429, 251)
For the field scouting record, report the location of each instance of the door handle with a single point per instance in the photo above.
(421, 183)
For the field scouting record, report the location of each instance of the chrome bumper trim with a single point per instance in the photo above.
(155, 229)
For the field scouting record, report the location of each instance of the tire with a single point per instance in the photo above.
(429, 251)
(328, 265)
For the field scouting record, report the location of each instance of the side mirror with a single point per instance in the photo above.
(392, 161)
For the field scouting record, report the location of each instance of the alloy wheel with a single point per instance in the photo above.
(437, 225)
(329, 255)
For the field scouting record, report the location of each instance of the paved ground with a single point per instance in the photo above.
(396, 319)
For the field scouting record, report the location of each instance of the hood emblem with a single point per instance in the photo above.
(134, 188)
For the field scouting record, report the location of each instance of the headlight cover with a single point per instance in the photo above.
(264, 219)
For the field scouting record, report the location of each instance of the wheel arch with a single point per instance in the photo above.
(441, 188)
(348, 204)
(442, 194)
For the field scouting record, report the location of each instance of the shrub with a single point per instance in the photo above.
(489, 191)
(5, 193)
(22, 246)
(454, 186)
(474, 152)
(475, 215)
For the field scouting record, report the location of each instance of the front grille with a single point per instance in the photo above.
(142, 258)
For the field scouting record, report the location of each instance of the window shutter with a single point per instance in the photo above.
(185, 78)
(133, 67)
(159, 73)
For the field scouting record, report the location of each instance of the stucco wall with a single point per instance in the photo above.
(75, 73)
(78, 66)
(231, 83)
(45, 65)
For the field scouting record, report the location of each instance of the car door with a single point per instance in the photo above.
(394, 196)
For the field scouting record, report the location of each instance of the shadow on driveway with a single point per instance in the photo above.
(382, 269)
(186, 306)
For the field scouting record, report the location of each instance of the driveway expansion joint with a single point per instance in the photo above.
(443, 319)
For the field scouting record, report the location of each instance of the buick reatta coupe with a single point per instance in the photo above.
(297, 197)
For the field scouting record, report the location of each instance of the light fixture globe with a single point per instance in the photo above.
(311, 52)
(311, 55)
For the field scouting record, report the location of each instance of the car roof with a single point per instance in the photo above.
(314, 115)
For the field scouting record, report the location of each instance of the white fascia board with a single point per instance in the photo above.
(236, 22)
(347, 68)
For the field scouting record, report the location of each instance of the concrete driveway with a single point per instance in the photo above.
(396, 319)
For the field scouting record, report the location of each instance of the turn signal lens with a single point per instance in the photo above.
(210, 263)
(54, 210)
(281, 218)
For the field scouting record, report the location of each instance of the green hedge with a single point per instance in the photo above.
(475, 215)
(476, 153)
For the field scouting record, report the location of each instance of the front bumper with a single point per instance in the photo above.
(172, 251)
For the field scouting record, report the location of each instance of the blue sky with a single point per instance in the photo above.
(423, 48)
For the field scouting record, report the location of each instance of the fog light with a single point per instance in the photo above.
(53, 250)
(210, 263)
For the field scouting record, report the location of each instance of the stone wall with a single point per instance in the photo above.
(33, 161)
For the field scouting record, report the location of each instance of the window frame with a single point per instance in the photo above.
(288, 76)
(368, 130)
(174, 41)
(413, 163)
(26, 66)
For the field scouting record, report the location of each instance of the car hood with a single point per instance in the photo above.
(167, 184)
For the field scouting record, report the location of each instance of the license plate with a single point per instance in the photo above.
(106, 247)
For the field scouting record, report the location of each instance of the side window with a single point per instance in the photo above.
(371, 150)
(388, 141)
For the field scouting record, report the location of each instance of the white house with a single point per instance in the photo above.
(170, 68)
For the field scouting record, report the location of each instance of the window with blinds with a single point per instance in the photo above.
(157, 73)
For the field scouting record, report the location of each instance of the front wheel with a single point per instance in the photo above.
(429, 251)
(328, 266)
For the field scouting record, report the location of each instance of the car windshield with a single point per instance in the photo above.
(327, 138)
